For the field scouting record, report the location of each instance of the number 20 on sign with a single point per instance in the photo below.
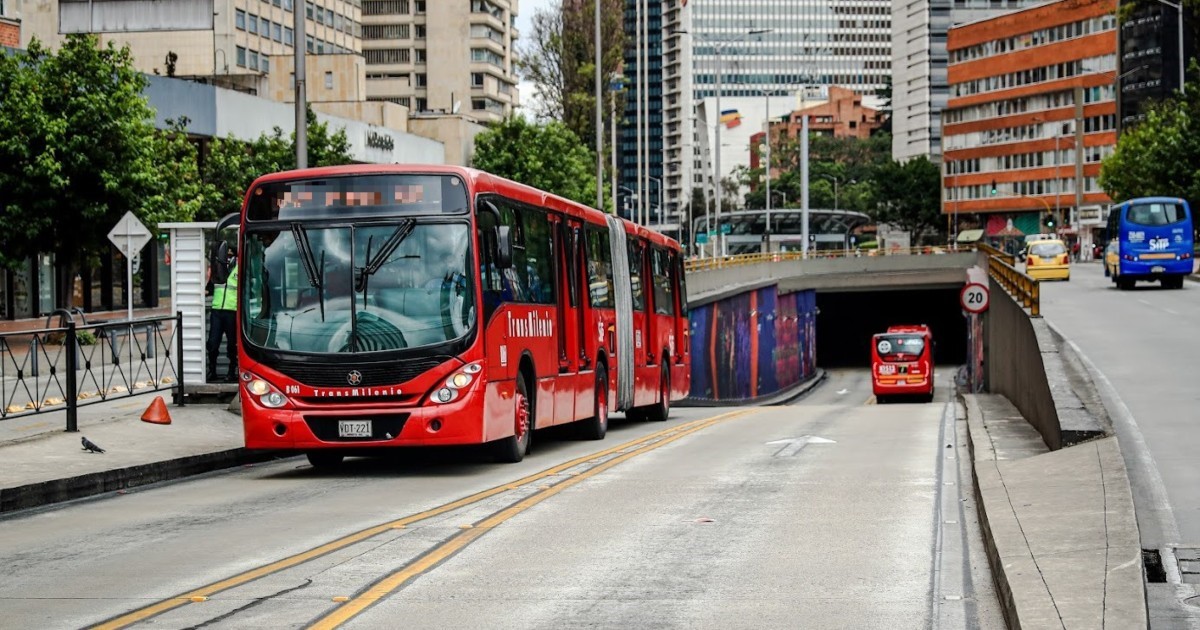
(974, 297)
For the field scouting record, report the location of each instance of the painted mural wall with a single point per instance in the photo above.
(753, 344)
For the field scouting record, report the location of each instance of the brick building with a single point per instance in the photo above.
(10, 28)
(842, 116)
(1031, 95)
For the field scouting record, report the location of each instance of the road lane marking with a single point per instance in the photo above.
(165, 605)
(457, 543)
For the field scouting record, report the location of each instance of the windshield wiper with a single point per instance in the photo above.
(316, 277)
(375, 262)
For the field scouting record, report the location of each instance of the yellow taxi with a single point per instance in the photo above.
(1048, 259)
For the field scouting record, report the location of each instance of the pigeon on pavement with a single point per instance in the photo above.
(88, 445)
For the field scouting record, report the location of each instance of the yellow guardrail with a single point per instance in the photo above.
(1025, 289)
(703, 264)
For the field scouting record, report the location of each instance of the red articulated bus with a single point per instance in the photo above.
(902, 363)
(386, 306)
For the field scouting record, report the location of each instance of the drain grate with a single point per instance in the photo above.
(1152, 562)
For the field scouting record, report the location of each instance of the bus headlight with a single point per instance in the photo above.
(459, 380)
(273, 400)
(444, 395)
(258, 387)
(268, 395)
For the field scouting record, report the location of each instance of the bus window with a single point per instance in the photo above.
(664, 299)
(600, 279)
(537, 272)
(635, 274)
(1156, 214)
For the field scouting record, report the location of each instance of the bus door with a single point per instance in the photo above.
(578, 327)
(680, 344)
(569, 311)
(639, 282)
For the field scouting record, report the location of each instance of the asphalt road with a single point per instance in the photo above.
(1142, 344)
(833, 512)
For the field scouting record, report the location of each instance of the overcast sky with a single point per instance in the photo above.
(526, 10)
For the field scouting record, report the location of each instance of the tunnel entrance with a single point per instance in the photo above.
(846, 321)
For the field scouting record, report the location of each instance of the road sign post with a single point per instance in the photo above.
(129, 236)
(974, 297)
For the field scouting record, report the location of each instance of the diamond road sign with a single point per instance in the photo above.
(129, 235)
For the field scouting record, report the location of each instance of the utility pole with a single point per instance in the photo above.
(599, 120)
(1078, 158)
(298, 48)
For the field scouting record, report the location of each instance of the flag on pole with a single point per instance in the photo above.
(731, 118)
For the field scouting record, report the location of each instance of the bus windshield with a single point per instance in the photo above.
(1153, 214)
(899, 347)
(355, 287)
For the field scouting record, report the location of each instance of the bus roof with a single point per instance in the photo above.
(907, 328)
(477, 181)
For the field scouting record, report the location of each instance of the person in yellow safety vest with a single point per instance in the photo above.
(222, 319)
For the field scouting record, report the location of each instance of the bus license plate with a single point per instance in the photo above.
(354, 428)
(1157, 269)
(887, 369)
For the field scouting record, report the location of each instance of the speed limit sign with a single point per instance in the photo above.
(974, 297)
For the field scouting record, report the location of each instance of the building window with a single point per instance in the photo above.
(386, 31)
(253, 23)
(420, 55)
(241, 56)
(328, 80)
(239, 19)
(422, 104)
(385, 7)
(277, 32)
(387, 56)
(486, 56)
(289, 36)
(419, 29)
(477, 79)
(308, 10)
(266, 63)
(420, 4)
(288, 5)
(252, 60)
(422, 81)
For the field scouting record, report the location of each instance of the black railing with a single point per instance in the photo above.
(72, 365)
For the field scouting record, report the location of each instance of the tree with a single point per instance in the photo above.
(1160, 154)
(76, 151)
(560, 61)
(549, 157)
(232, 165)
(178, 192)
(908, 195)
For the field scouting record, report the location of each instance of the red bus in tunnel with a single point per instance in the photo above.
(386, 306)
(902, 363)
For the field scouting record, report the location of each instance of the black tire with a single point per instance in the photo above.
(1174, 282)
(325, 460)
(514, 448)
(881, 400)
(662, 410)
(596, 427)
(1124, 284)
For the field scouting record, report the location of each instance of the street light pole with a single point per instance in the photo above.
(649, 216)
(599, 120)
(299, 50)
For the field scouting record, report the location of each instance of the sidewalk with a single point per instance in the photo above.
(44, 464)
(1059, 526)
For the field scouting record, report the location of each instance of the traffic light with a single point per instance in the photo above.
(993, 192)
(1050, 221)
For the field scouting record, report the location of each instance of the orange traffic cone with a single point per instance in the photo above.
(156, 413)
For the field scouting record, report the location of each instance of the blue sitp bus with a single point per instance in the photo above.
(1150, 238)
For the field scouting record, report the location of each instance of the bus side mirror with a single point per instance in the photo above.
(504, 247)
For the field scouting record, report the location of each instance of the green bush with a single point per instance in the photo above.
(85, 337)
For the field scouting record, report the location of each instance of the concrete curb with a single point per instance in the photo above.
(82, 486)
(778, 398)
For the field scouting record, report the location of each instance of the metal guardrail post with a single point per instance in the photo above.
(179, 358)
(72, 393)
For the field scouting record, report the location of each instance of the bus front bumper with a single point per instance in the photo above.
(454, 423)
(902, 385)
(1154, 269)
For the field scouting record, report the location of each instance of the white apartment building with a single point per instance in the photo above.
(439, 56)
(760, 48)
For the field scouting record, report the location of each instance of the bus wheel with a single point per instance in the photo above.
(1124, 284)
(661, 411)
(1174, 282)
(325, 460)
(596, 427)
(513, 448)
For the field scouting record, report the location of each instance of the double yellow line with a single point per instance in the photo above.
(384, 587)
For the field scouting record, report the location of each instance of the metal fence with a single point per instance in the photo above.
(721, 262)
(72, 365)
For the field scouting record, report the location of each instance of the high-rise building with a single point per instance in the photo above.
(644, 89)
(226, 42)
(759, 48)
(1149, 55)
(1032, 112)
(919, 88)
(436, 56)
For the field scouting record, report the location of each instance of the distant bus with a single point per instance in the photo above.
(902, 364)
(1150, 238)
(387, 306)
